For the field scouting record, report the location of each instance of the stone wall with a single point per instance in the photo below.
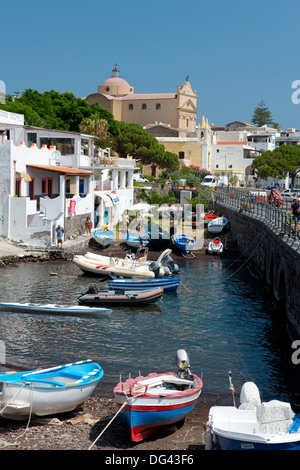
(75, 226)
(273, 257)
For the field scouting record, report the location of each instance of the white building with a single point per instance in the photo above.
(47, 178)
(232, 155)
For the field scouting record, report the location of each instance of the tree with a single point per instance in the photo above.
(99, 127)
(262, 116)
(135, 141)
(156, 198)
(284, 159)
(60, 111)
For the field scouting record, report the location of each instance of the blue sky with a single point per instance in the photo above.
(235, 53)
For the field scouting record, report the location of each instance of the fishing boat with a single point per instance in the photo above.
(209, 217)
(165, 283)
(149, 403)
(103, 236)
(51, 308)
(184, 243)
(218, 225)
(136, 239)
(47, 391)
(215, 247)
(95, 296)
(254, 425)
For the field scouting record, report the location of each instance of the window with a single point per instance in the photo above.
(217, 166)
(68, 186)
(158, 106)
(181, 155)
(130, 106)
(107, 88)
(144, 106)
(31, 138)
(81, 187)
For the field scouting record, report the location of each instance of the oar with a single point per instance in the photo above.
(57, 367)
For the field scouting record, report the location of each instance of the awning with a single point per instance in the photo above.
(106, 199)
(25, 175)
(115, 198)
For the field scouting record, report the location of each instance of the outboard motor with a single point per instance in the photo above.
(92, 290)
(169, 263)
(154, 267)
(183, 364)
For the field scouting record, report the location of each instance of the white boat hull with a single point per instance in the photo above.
(103, 269)
(234, 429)
(51, 308)
(30, 400)
(48, 391)
(217, 225)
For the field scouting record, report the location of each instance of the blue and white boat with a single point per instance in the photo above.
(167, 284)
(148, 403)
(218, 225)
(136, 239)
(103, 236)
(253, 425)
(52, 308)
(184, 243)
(47, 391)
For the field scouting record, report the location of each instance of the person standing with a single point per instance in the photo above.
(88, 226)
(59, 235)
(295, 209)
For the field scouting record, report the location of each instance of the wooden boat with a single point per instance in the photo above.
(51, 308)
(48, 391)
(217, 225)
(95, 296)
(114, 268)
(215, 247)
(253, 425)
(103, 236)
(166, 283)
(148, 403)
(136, 239)
(209, 217)
(184, 243)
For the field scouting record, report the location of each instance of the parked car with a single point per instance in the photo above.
(290, 194)
(139, 178)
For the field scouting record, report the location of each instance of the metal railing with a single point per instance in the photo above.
(264, 208)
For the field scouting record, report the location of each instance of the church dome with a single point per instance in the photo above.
(115, 85)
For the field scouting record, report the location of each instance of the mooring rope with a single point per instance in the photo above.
(4, 443)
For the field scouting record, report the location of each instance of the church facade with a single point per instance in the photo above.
(170, 117)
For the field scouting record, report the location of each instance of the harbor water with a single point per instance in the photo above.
(220, 315)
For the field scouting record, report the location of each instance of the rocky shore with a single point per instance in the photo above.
(95, 425)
